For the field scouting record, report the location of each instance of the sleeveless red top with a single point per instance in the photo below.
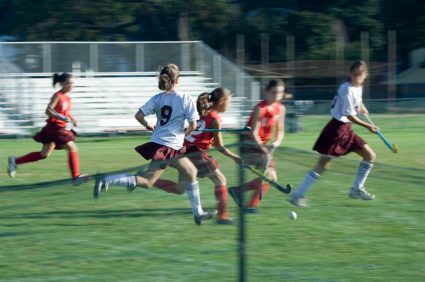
(268, 117)
(62, 107)
(203, 139)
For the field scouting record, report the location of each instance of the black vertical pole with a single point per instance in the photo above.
(242, 277)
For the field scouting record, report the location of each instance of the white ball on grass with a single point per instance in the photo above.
(292, 215)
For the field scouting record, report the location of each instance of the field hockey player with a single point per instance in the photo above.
(266, 115)
(338, 139)
(198, 142)
(54, 136)
(171, 108)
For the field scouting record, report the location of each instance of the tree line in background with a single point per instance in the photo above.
(314, 24)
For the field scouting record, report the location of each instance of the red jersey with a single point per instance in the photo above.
(62, 107)
(203, 139)
(268, 118)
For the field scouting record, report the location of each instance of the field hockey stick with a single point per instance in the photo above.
(393, 147)
(246, 128)
(286, 190)
(269, 160)
(59, 115)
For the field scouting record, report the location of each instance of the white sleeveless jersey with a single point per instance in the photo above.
(171, 109)
(347, 102)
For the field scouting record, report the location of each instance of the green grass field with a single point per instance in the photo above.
(59, 233)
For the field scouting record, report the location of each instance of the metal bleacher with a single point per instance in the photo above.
(104, 102)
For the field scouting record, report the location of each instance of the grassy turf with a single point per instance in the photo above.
(59, 233)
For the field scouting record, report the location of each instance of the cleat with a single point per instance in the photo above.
(360, 194)
(298, 201)
(252, 210)
(11, 169)
(98, 187)
(80, 179)
(227, 221)
(199, 219)
(232, 192)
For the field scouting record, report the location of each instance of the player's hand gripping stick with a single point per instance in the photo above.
(393, 147)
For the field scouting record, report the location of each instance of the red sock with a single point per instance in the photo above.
(251, 185)
(166, 185)
(74, 164)
(255, 201)
(31, 157)
(221, 197)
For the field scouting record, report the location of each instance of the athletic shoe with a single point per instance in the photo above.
(232, 192)
(199, 219)
(360, 194)
(11, 169)
(131, 189)
(98, 187)
(252, 210)
(298, 201)
(227, 221)
(80, 179)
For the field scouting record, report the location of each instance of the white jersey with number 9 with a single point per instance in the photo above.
(171, 109)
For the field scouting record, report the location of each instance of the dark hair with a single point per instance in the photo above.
(218, 94)
(202, 104)
(274, 83)
(60, 77)
(358, 65)
(168, 77)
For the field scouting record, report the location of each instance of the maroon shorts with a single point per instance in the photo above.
(337, 139)
(156, 152)
(203, 162)
(256, 157)
(55, 133)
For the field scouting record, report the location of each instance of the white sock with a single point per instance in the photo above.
(192, 190)
(127, 180)
(362, 173)
(309, 179)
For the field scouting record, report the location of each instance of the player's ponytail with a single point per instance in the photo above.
(168, 77)
(203, 106)
(219, 94)
(58, 78)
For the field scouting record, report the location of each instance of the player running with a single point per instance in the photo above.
(338, 139)
(171, 108)
(198, 142)
(54, 136)
(266, 114)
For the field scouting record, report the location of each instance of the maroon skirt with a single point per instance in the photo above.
(205, 163)
(337, 139)
(56, 134)
(256, 157)
(156, 152)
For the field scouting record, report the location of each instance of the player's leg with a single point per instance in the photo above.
(28, 158)
(310, 178)
(365, 166)
(220, 192)
(188, 172)
(74, 164)
(255, 200)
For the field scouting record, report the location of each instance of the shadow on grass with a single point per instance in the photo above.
(103, 214)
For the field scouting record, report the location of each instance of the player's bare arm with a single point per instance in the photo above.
(140, 117)
(256, 124)
(356, 120)
(218, 141)
(191, 127)
(363, 110)
(53, 103)
(280, 132)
